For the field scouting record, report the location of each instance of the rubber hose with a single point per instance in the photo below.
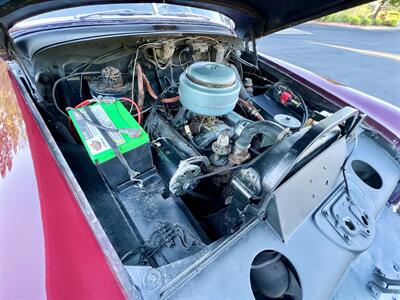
(242, 93)
(259, 127)
(139, 75)
(153, 94)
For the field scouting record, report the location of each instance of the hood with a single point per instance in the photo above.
(253, 18)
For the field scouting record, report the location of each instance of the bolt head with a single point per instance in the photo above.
(396, 267)
(152, 279)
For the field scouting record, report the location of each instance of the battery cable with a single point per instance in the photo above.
(108, 100)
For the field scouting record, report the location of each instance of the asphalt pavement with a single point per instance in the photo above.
(365, 59)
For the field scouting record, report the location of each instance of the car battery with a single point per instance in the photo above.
(111, 145)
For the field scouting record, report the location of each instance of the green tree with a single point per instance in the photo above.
(380, 4)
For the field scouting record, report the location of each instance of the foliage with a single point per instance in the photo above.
(395, 3)
(377, 22)
(12, 134)
(354, 20)
(366, 21)
(389, 15)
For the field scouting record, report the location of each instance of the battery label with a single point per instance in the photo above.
(92, 135)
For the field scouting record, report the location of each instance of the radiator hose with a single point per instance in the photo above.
(271, 131)
(264, 127)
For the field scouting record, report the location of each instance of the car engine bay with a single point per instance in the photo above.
(182, 144)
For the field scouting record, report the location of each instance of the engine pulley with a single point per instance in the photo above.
(183, 179)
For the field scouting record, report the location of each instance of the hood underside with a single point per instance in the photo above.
(253, 18)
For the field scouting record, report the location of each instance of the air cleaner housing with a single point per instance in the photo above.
(209, 89)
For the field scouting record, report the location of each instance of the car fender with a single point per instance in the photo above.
(48, 248)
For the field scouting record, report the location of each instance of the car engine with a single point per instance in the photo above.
(179, 144)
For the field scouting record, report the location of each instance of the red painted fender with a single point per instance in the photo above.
(48, 249)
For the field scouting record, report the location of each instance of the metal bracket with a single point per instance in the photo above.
(353, 223)
(383, 285)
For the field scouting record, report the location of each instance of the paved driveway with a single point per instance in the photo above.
(365, 59)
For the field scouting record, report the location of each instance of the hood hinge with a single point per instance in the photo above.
(254, 44)
(253, 53)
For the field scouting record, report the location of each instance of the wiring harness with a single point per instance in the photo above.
(164, 235)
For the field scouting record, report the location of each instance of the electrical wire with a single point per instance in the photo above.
(222, 170)
(305, 110)
(155, 106)
(64, 78)
(242, 61)
(280, 87)
(98, 58)
(129, 131)
(180, 59)
(162, 236)
(153, 94)
(197, 147)
(262, 78)
(139, 113)
(158, 64)
(83, 103)
(173, 42)
(142, 112)
(265, 86)
(344, 165)
(87, 120)
(135, 58)
(154, 61)
(124, 99)
(114, 52)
